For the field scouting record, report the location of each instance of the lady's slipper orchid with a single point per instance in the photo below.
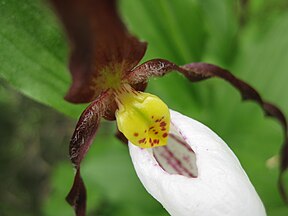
(196, 173)
(103, 64)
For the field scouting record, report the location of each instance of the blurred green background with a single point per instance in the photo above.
(246, 37)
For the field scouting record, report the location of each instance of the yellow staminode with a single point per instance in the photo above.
(143, 118)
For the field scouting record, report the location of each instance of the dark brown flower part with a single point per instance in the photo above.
(201, 71)
(87, 126)
(159, 67)
(120, 136)
(102, 50)
(79, 145)
(77, 195)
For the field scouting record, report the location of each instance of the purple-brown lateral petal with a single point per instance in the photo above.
(77, 195)
(248, 93)
(86, 127)
(100, 45)
(201, 71)
(156, 67)
(80, 142)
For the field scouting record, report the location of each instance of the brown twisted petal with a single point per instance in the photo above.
(77, 195)
(200, 71)
(86, 127)
(157, 67)
(80, 142)
(100, 46)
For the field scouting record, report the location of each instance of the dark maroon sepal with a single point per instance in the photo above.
(100, 45)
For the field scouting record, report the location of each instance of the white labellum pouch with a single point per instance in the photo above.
(196, 173)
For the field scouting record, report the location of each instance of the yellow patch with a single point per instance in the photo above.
(143, 118)
(109, 77)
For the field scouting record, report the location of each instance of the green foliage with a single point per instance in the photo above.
(33, 53)
(250, 40)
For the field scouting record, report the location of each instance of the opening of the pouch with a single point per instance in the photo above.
(177, 157)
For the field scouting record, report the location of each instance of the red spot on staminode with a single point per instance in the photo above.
(151, 128)
(163, 124)
(164, 135)
(152, 117)
(156, 141)
(163, 129)
(156, 133)
(135, 134)
(141, 140)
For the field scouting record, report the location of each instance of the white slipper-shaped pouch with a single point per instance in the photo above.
(196, 173)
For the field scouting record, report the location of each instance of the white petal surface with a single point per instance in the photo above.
(221, 186)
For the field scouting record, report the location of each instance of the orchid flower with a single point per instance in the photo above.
(105, 72)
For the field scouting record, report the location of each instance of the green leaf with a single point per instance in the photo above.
(261, 61)
(165, 22)
(33, 57)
